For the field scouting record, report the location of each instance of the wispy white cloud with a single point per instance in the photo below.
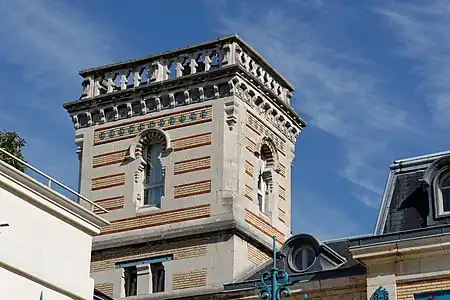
(48, 39)
(421, 28)
(44, 43)
(311, 217)
(341, 92)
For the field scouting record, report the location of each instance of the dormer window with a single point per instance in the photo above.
(444, 195)
(303, 258)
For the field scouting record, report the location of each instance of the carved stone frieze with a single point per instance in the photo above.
(265, 108)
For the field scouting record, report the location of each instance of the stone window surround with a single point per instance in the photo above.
(266, 173)
(138, 164)
(144, 273)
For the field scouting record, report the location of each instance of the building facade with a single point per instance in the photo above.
(45, 241)
(191, 152)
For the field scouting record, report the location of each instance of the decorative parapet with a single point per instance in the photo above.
(197, 59)
(220, 68)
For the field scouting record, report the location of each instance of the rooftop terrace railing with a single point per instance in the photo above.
(195, 59)
(51, 182)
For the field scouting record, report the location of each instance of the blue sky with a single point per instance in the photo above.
(372, 80)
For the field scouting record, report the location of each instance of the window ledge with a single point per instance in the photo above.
(444, 214)
(145, 209)
(265, 216)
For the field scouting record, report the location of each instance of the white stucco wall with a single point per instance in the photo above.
(45, 247)
(19, 287)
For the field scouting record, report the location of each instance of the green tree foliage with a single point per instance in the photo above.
(12, 142)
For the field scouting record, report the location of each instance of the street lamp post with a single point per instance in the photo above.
(273, 283)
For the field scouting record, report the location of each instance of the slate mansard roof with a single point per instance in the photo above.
(334, 261)
(407, 203)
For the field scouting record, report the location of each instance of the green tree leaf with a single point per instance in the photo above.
(12, 142)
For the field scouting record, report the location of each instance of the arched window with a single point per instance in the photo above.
(149, 150)
(263, 192)
(444, 189)
(264, 178)
(154, 175)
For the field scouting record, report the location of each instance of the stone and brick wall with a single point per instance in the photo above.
(282, 215)
(250, 145)
(192, 165)
(256, 256)
(105, 260)
(108, 158)
(158, 218)
(256, 128)
(249, 168)
(281, 192)
(282, 170)
(259, 224)
(248, 192)
(192, 141)
(189, 279)
(108, 181)
(105, 288)
(192, 189)
(111, 203)
(407, 290)
(184, 143)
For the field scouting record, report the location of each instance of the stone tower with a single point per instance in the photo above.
(190, 151)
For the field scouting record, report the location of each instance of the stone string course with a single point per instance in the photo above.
(104, 182)
(192, 165)
(264, 227)
(192, 189)
(165, 122)
(104, 260)
(190, 279)
(158, 218)
(112, 203)
(407, 290)
(256, 256)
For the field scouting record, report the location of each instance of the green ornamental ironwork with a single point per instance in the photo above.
(273, 283)
(380, 294)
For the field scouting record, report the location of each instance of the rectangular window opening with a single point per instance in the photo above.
(263, 196)
(130, 275)
(156, 272)
(158, 277)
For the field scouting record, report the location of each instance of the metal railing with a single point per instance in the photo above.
(52, 180)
